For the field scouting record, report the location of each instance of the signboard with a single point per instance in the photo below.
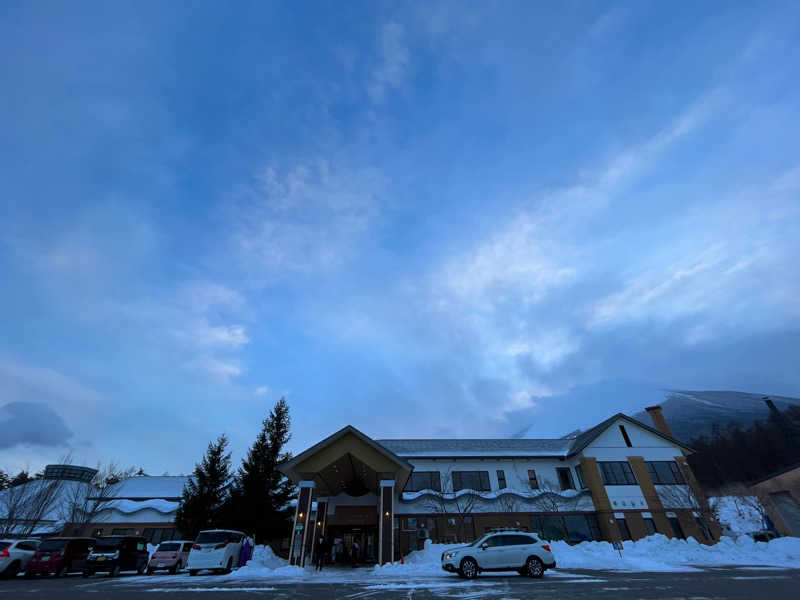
(299, 527)
(617, 545)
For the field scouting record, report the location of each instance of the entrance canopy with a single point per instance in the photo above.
(347, 462)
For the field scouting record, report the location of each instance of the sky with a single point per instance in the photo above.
(426, 219)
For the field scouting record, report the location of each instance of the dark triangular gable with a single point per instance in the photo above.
(588, 436)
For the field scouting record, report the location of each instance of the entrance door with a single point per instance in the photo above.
(788, 509)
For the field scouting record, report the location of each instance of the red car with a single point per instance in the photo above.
(59, 556)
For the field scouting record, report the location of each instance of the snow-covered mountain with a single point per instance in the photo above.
(693, 413)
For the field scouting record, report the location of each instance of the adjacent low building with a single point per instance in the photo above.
(779, 494)
(619, 480)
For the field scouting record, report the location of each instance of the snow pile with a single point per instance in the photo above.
(264, 564)
(738, 514)
(653, 553)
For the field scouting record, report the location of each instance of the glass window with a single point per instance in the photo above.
(553, 528)
(665, 473)
(616, 473)
(122, 531)
(187, 546)
(651, 526)
(623, 529)
(30, 546)
(565, 478)
(424, 480)
(532, 479)
(577, 528)
(676, 528)
(520, 540)
(594, 527)
(704, 528)
(212, 537)
(581, 480)
(501, 479)
(54, 545)
(471, 480)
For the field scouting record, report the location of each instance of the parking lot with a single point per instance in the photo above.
(743, 582)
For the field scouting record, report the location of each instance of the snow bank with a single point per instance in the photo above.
(264, 564)
(653, 553)
(738, 514)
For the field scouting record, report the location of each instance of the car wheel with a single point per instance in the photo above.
(534, 567)
(192, 572)
(468, 568)
(114, 572)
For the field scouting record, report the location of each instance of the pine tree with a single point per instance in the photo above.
(206, 496)
(262, 492)
(5, 480)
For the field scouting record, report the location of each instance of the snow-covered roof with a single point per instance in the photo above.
(477, 447)
(130, 507)
(165, 487)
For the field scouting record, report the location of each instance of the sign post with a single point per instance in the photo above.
(617, 546)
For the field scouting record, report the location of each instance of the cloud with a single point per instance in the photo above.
(32, 423)
(394, 63)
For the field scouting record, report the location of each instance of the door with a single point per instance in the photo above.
(78, 549)
(492, 556)
(788, 509)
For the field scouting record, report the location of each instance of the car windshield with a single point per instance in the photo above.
(52, 545)
(107, 544)
(212, 537)
(170, 547)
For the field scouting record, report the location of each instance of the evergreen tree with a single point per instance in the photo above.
(20, 478)
(5, 480)
(204, 504)
(262, 494)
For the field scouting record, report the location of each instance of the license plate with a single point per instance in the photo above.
(160, 565)
(101, 558)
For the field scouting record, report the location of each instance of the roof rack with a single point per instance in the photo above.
(500, 529)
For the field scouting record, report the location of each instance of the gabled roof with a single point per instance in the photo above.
(588, 436)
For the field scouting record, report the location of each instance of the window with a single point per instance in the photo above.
(424, 480)
(501, 479)
(471, 480)
(122, 531)
(30, 546)
(594, 527)
(565, 478)
(616, 473)
(574, 528)
(519, 540)
(625, 436)
(651, 526)
(704, 528)
(581, 480)
(665, 472)
(676, 528)
(532, 479)
(577, 529)
(623, 529)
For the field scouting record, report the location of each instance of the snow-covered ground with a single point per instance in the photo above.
(654, 553)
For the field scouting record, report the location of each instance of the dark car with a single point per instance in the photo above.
(117, 553)
(59, 556)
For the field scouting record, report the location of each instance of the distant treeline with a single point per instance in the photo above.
(735, 455)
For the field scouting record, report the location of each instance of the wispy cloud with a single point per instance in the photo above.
(393, 63)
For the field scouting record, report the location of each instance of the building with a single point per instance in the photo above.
(619, 480)
(779, 494)
(143, 505)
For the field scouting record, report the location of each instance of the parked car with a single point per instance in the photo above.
(117, 553)
(59, 556)
(15, 555)
(217, 550)
(507, 551)
(172, 556)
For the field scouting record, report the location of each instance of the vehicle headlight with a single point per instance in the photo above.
(449, 555)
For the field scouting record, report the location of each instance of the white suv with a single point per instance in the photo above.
(508, 551)
(14, 555)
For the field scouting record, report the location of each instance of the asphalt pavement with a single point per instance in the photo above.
(719, 582)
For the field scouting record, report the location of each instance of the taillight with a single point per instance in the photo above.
(196, 547)
(220, 546)
(4, 553)
(546, 547)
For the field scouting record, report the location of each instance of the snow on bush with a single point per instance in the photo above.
(738, 514)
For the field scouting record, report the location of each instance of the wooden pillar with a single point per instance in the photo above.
(386, 522)
(605, 515)
(654, 504)
(318, 528)
(300, 534)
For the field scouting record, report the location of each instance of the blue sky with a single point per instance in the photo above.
(428, 219)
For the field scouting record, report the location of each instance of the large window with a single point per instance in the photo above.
(471, 480)
(581, 480)
(616, 473)
(676, 528)
(651, 526)
(532, 479)
(665, 473)
(501, 479)
(424, 480)
(565, 478)
(574, 528)
(623, 529)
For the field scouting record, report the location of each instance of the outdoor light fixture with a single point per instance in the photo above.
(301, 515)
(387, 513)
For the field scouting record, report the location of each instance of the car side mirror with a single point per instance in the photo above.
(484, 546)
